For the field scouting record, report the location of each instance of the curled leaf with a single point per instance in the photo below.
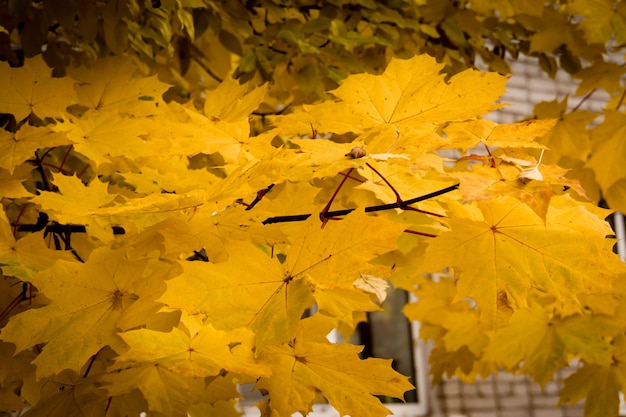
(530, 174)
(372, 284)
(356, 152)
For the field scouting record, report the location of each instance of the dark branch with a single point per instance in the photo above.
(42, 221)
(370, 209)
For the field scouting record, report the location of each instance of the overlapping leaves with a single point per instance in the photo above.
(187, 252)
(519, 251)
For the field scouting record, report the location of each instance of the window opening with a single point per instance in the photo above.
(388, 334)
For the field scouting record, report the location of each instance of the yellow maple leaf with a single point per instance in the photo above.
(218, 291)
(87, 300)
(323, 264)
(409, 180)
(232, 101)
(103, 136)
(15, 370)
(67, 394)
(400, 109)
(484, 182)
(466, 135)
(602, 19)
(12, 185)
(21, 146)
(303, 370)
(598, 385)
(99, 210)
(115, 85)
(165, 391)
(195, 133)
(24, 257)
(31, 89)
(506, 249)
(66, 208)
(201, 354)
(541, 343)
(316, 159)
(456, 363)
(569, 140)
(437, 307)
(211, 230)
(606, 161)
(600, 74)
(616, 195)
(374, 285)
(219, 408)
(509, 8)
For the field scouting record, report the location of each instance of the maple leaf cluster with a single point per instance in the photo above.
(158, 255)
(304, 48)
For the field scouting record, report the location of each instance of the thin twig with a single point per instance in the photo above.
(585, 98)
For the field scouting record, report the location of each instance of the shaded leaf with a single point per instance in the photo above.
(21, 146)
(304, 370)
(87, 300)
(205, 353)
(31, 89)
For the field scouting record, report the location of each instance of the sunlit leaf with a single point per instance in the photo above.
(519, 251)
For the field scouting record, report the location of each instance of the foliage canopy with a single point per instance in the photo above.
(195, 193)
